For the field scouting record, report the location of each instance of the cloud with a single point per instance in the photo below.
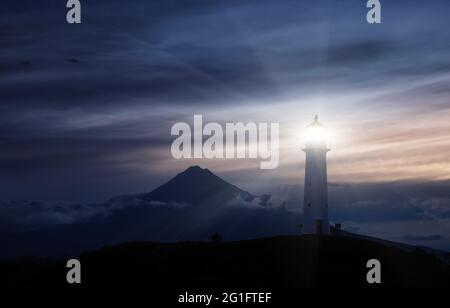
(352, 229)
(431, 237)
(377, 202)
(383, 210)
(433, 208)
(257, 202)
(17, 216)
(20, 216)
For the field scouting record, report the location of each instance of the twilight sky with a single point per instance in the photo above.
(86, 110)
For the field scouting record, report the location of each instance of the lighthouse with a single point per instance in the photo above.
(315, 207)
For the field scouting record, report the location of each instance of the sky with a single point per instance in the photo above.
(86, 110)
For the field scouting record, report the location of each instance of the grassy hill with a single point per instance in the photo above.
(288, 261)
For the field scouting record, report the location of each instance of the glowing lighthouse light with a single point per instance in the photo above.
(315, 207)
(316, 135)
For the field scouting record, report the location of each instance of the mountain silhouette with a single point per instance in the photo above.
(196, 186)
(192, 206)
(192, 226)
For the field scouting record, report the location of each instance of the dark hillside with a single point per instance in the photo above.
(291, 261)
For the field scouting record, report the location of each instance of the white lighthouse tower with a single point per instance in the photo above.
(315, 207)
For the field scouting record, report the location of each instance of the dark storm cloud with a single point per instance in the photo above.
(128, 48)
(169, 53)
(83, 99)
(25, 155)
(360, 52)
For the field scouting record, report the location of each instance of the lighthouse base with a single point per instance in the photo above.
(319, 226)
